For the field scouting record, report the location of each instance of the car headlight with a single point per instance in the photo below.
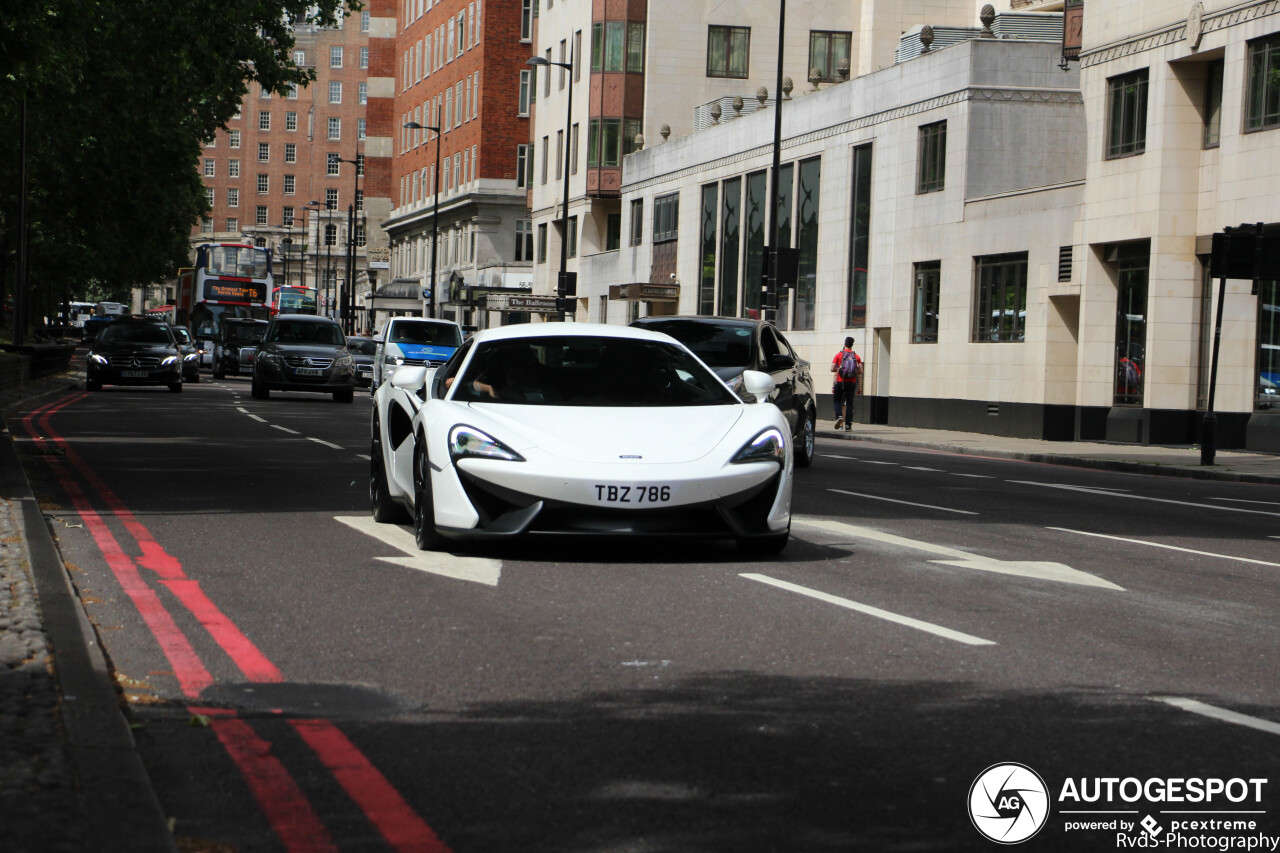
(394, 360)
(465, 441)
(173, 359)
(768, 446)
(344, 358)
(191, 357)
(100, 359)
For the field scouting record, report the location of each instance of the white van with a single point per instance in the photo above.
(413, 340)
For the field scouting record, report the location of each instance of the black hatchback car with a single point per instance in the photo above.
(304, 352)
(134, 351)
(729, 345)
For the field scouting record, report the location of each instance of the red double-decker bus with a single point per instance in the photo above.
(228, 280)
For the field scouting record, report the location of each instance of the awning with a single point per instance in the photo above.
(645, 292)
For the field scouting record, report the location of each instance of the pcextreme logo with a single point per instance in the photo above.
(1008, 803)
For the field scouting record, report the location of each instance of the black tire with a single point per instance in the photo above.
(347, 395)
(765, 545)
(91, 385)
(383, 508)
(424, 510)
(806, 447)
(195, 377)
(218, 372)
(175, 387)
(258, 390)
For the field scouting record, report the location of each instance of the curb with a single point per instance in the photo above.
(1067, 460)
(116, 794)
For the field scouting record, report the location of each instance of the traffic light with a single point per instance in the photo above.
(567, 284)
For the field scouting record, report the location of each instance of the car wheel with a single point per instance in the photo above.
(765, 545)
(424, 509)
(384, 509)
(91, 385)
(806, 442)
(218, 372)
(259, 390)
(347, 395)
(175, 387)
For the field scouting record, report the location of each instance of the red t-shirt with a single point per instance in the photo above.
(835, 362)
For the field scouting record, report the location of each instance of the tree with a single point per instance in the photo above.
(120, 97)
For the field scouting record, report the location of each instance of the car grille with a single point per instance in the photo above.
(141, 362)
(424, 362)
(308, 361)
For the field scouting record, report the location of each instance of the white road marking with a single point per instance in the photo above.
(837, 456)
(963, 559)
(364, 456)
(974, 476)
(326, 443)
(1091, 491)
(475, 569)
(878, 462)
(920, 468)
(908, 503)
(1244, 501)
(1167, 547)
(285, 429)
(258, 419)
(1195, 707)
(927, 627)
(242, 409)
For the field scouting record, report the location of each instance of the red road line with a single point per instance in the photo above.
(277, 793)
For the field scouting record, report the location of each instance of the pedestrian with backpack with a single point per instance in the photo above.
(847, 367)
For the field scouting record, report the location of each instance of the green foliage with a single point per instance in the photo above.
(120, 97)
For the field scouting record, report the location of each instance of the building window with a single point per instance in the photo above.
(1000, 309)
(300, 58)
(859, 238)
(335, 127)
(331, 199)
(286, 216)
(753, 214)
(1130, 263)
(335, 91)
(363, 92)
(637, 222)
(208, 195)
(728, 51)
(233, 197)
(526, 19)
(806, 285)
(210, 168)
(826, 51)
(290, 152)
(233, 225)
(573, 237)
(522, 165)
(291, 121)
(330, 237)
(233, 168)
(933, 157)
(1263, 99)
(264, 121)
(1127, 114)
(635, 47)
(613, 232)
(526, 92)
(264, 152)
(546, 149)
(335, 56)
(233, 137)
(608, 42)
(290, 184)
(260, 215)
(666, 218)
(542, 244)
(1213, 103)
(706, 247)
(206, 225)
(364, 53)
(524, 240)
(332, 163)
(362, 127)
(264, 184)
(924, 302)
(604, 142)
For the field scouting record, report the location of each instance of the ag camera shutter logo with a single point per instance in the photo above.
(1008, 803)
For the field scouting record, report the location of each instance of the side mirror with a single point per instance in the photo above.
(757, 384)
(409, 377)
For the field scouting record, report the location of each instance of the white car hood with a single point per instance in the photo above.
(589, 434)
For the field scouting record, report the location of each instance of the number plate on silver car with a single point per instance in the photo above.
(309, 371)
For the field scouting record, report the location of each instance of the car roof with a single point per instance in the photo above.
(701, 318)
(306, 318)
(573, 330)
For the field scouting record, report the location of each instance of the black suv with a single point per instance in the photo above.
(729, 345)
(303, 352)
(134, 351)
(236, 345)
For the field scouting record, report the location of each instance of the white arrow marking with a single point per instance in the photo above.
(963, 559)
(474, 569)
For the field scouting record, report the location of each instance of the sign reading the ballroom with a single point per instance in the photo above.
(645, 292)
(221, 290)
(544, 304)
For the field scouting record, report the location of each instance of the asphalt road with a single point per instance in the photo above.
(302, 680)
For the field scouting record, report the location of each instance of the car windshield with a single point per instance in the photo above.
(575, 370)
(301, 332)
(425, 333)
(243, 334)
(718, 344)
(364, 346)
(135, 333)
(182, 335)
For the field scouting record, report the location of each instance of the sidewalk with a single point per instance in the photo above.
(1237, 465)
(71, 779)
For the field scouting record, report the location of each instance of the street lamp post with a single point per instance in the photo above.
(347, 299)
(312, 207)
(435, 214)
(565, 287)
(773, 284)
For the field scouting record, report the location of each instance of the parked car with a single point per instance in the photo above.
(134, 351)
(236, 345)
(583, 429)
(730, 346)
(414, 340)
(190, 352)
(363, 352)
(304, 352)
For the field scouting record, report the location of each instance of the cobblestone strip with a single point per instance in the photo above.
(39, 805)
